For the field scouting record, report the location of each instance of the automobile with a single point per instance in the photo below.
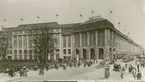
(125, 59)
(117, 67)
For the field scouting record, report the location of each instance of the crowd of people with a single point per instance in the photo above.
(41, 67)
(131, 69)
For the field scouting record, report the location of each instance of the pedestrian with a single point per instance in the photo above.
(21, 72)
(134, 73)
(125, 65)
(107, 72)
(46, 68)
(25, 71)
(130, 68)
(139, 75)
(138, 65)
(122, 72)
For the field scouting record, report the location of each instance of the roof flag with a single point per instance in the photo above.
(56, 14)
(92, 11)
(38, 17)
(81, 15)
(5, 20)
(110, 11)
(21, 19)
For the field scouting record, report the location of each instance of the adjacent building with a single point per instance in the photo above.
(96, 38)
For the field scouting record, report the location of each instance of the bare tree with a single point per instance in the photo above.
(43, 43)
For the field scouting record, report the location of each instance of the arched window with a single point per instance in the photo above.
(25, 51)
(92, 53)
(20, 51)
(101, 53)
(84, 54)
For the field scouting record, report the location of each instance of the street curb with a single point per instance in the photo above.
(21, 78)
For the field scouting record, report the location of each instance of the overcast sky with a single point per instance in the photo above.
(130, 13)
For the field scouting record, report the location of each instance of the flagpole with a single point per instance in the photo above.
(21, 19)
(38, 19)
(109, 15)
(56, 17)
(92, 13)
(5, 25)
(125, 31)
(81, 18)
(119, 26)
(110, 12)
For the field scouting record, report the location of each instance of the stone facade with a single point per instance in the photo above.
(92, 39)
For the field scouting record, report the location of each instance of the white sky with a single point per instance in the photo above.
(130, 13)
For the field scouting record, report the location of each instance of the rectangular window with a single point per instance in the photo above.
(52, 57)
(64, 51)
(77, 39)
(25, 57)
(15, 41)
(35, 57)
(25, 41)
(69, 41)
(10, 51)
(64, 41)
(92, 38)
(15, 57)
(30, 57)
(20, 41)
(30, 41)
(84, 39)
(56, 30)
(20, 57)
(69, 51)
(57, 41)
(101, 38)
(10, 44)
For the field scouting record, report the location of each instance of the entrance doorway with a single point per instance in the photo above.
(110, 53)
(84, 54)
(101, 53)
(92, 53)
(77, 54)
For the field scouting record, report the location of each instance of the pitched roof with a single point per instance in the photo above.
(93, 20)
(53, 25)
(37, 25)
(92, 24)
(67, 29)
(73, 25)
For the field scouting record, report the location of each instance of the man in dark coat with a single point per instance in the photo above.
(139, 75)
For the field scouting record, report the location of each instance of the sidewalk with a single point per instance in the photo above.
(7, 78)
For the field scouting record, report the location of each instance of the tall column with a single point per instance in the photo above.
(67, 45)
(96, 51)
(73, 44)
(106, 53)
(22, 44)
(88, 44)
(80, 39)
(61, 46)
(81, 50)
(27, 41)
(13, 46)
(17, 43)
(88, 39)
